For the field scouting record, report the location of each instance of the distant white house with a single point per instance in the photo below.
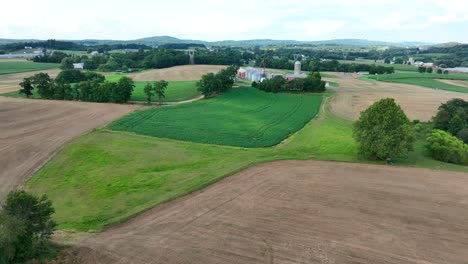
(363, 73)
(79, 66)
(94, 53)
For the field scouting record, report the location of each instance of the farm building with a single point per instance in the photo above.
(241, 73)
(297, 72)
(79, 66)
(363, 73)
(255, 74)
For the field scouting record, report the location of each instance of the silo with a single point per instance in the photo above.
(297, 68)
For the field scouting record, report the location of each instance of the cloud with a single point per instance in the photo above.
(242, 19)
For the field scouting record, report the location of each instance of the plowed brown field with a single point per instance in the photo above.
(301, 212)
(31, 131)
(354, 95)
(177, 73)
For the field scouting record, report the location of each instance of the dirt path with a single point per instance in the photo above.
(10, 82)
(301, 212)
(31, 131)
(177, 73)
(354, 95)
(455, 82)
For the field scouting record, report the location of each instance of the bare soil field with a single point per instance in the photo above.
(455, 82)
(300, 212)
(13, 59)
(31, 131)
(354, 95)
(10, 82)
(177, 73)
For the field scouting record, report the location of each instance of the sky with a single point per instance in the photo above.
(435, 21)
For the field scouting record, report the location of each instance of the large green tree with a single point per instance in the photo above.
(43, 83)
(25, 227)
(123, 90)
(26, 87)
(66, 63)
(160, 89)
(383, 131)
(149, 91)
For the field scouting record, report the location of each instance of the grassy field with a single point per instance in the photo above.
(16, 67)
(175, 92)
(425, 80)
(105, 177)
(243, 117)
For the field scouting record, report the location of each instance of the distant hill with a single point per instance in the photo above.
(160, 40)
(268, 42)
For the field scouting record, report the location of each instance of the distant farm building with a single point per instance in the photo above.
(255, 74)
(363, 73)
(94, 53)
(297, 72)
(241, 73)
(79, 66)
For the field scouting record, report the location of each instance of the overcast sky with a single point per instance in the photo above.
(386, 20)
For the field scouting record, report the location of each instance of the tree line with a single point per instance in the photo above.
(312, 83)
(69, 45)
(315, 65)
(71, 85)
(156, 59)
(214, 84)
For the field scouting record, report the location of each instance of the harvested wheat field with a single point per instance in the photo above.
(300, 212)
(10, 82)
(33, 130)
(354, 95)
(177, 73)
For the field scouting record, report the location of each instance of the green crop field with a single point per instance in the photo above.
(106, 177)
(425, 80)
(243, 117)
(20, 66)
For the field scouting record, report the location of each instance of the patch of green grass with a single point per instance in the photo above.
(243, 117)
(334, 84)
(16, 94)
(326, 75)
(425, 80)
(20, 66)
(106, 177)
(175, 92)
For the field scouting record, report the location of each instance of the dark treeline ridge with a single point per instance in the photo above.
(312, 83)
(316, 65)
(68, 45)
(146, 59)
(78, 86)
(181, 46)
